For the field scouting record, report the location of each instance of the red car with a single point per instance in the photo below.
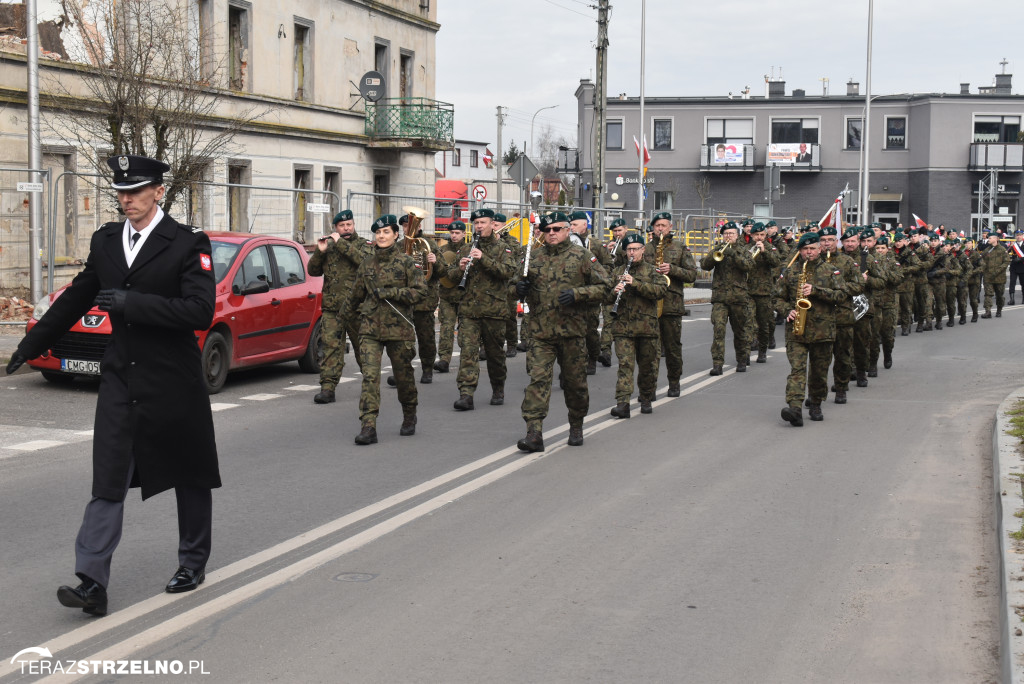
(267, 311)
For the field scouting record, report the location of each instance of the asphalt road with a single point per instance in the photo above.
(708, 542)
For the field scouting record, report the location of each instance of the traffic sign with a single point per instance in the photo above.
(479, 193)
(523, 171)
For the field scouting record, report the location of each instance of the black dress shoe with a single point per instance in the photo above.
(89, 596)
(368, 435)
(392, 382)
(324, 397)
(464, 403)
(575, 435)
(441, 366)
(186, 579)
(533, 441)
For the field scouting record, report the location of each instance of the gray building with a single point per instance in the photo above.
(927, 153)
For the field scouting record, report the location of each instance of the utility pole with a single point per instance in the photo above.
(500, 156)
(600, 100)
(35, 156)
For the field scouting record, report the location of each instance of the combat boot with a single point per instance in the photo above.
(591, 366)
(464, 402)
(673, 388)
(794, 415)
(920, 325)
(392, 382)
(427, 377)
(621, 410)
(645, 406)
(510, 352)
(576, 435)
(963, 319)
(741, 367)
(534, 441)
(905, 330)
(771, 342)
(605, 358)
(522, 346)
(873, 371)
(841, 397)
(815, 412)
(974, 317)
(368, 435)
(999, 312)
(753, 345)
(497, 395)
(950, 323)
(408, 421)
(762, 356)
(441, 366)
(887, 359)
(483, 354)
(987, 314)
(716, 369)
(938, 324)
(324, 396)
(862, 379)
(1011, 300)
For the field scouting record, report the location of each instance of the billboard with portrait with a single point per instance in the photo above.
(789, 154)
(727, 153)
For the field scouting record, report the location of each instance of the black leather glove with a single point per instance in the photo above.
(111, 300)
(16, 362)
(566, 297)
(522, 287)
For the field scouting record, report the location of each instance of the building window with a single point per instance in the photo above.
(735, 131)
(996, 129)
(332, 183)
(794, 131)
(854, 133)
(895, 132)
(663, 134)
(474, 158)
(456, 157)
(239, 173)
(405, 75)
(238, 48)
(613, 135)
(381, 61)
(662, 200)
(303, 65)
(301, 180)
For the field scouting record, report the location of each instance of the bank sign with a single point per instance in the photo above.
(631, 180)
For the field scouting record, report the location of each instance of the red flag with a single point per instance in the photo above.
(829, 219)
(647, 154)
(488, 157)
(920, 222)
(1017, 250)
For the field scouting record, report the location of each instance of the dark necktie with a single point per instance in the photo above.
(135, 238)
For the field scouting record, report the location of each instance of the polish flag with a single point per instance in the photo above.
(1017, 250)
(829, 219)
(488, 157)
(647, 154)
(920, 222)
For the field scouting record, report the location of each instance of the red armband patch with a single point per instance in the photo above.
(205, 262)
(593, 259)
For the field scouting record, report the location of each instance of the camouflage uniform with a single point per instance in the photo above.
(337, 264)
(885, 312)
(558, 331)
(604, 258)
(809, 355)
(937, 282)
(853, 283)
(961, 291)
(448, 305)
(994, 262)
(865, 330)
(512, 301)
(636, 330)
(974, 282)
(760, 282)
(423, 313)
(681, 270)
(908, 265)
(483, 312)
(954, 272)
(388, 275)
(617, 259)
(922, 292)
(729, 301)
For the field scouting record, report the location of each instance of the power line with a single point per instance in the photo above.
(567, 9)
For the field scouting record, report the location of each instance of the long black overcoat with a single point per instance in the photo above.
(152, 405)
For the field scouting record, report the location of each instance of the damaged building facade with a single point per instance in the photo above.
(285, 78)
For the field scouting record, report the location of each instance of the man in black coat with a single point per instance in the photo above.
(153, 426)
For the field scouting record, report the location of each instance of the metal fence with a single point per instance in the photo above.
(15, 238)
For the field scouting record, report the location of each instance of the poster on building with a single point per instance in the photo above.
(789, 154)
(728, 153)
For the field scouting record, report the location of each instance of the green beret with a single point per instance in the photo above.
(500, 217)
(899, 236)
(770, 224)
(385, 220)
(867, 233)
(827, 230)
(343, 215)
(729, 225)
(812, 224)
(747, 222)
(661, 216)
(758, 228)
(852, 232)
(457, 225)
(807, 239)
(632, 239)
(579, 216)
(556, 217)
(482, 213)
(618, 222)
(883, 240)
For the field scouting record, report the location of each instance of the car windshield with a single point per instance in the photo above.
(224, 254)
(443, 210)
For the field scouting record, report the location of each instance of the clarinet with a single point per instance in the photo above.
(474, 245)
(615, 306)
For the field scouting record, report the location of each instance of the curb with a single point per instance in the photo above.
(1009, 493)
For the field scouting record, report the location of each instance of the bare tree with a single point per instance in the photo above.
(546, 150)
(147, 87)
(702, 186)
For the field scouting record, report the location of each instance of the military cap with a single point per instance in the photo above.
(787, 230)
(807, 239)
(728, 225)
(579, 216)
(770, 224)
(632, 239)
(851, 232)
(385, 220)
(876, 225)
(557, 217)
(661, 216)
(757, 228)
(457, 225)
(403, 219)
(867, 233)
(132, 171)
(618, 222)
(899, 236)
(1018, 232)
(812, 224)
(343, 215)
(500, 217)
(827, 230)
(482, 213)
(747, 222)
(883, 240)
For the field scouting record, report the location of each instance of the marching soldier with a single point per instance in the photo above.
(337, 257)
(810, 352)
(994, 263)
(876, 279)
(449, 296)
(635, 326)
(954, 273)
(853, 283)
(885, 306)
(387, 286)
(908, 265)
(618, 258)
(760, 281)
(964, 256)
(676, 263)
(423, 310)
(976, 257)
(579, 225)
(729, 298)
(922, 292)
(512, 301)
(487, 268)
(937, 278)
(562, 280)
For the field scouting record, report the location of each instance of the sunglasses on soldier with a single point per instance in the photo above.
(548, 229)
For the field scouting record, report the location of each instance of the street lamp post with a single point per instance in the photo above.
(534, 119)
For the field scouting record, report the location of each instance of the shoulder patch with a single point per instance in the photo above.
(205, 262)
(836, 272)
(593, 259)
(196, 229)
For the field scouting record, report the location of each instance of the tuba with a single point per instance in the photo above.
(803, 305)
(416, 247)
(659, 259)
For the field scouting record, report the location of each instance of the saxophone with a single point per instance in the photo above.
(659, 259)
(803, 305)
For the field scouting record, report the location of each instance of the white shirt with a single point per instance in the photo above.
(126, 240)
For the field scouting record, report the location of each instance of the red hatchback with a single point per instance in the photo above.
(267, 311)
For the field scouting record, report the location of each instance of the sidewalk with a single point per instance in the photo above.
(1009, 495)
(10, 336)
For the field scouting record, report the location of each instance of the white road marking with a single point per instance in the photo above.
(694, 320)
(35, 445)
(84, 433)
(222, 406)
(262, 397)
(301, 388)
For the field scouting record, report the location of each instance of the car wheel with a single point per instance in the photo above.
(314, 356)
(58, 378)
(216, 362)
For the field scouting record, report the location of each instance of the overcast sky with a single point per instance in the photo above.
(527, 54)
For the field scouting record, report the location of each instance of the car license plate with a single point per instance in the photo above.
(74, 366)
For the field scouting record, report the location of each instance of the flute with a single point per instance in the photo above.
(476, 241)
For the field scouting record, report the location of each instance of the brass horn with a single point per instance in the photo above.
(718, 250)
(416, 247)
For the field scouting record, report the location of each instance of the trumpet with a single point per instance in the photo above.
(718, 250)
(756, 249)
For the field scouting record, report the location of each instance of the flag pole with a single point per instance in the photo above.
(864, 200)
(640, 177)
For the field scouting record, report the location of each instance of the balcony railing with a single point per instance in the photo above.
(414, 122)
(727, 157)
(999, 156)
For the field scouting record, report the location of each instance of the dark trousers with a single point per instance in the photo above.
(1014, 277)
(100, 532)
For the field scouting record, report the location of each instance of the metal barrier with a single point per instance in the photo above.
(368, 206)
(16, 268)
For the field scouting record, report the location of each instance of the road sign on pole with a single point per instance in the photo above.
(479, 193)
(523, 171)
